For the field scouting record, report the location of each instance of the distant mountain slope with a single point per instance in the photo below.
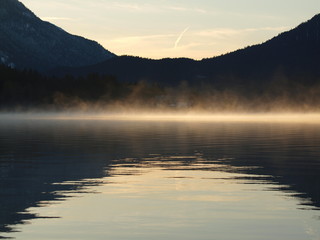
(293, 55)
(134, 69)
(28, 42)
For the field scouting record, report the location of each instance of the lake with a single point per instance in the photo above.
(108, 178)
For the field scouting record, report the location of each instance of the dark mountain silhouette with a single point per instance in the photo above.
(294, 54)
(282, 73)
(291, 55)
(133, 69)
(28, 42)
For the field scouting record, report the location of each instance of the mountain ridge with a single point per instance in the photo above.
(282, 73)
(294, 53)
(28, 42)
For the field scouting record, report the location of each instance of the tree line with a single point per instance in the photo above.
(29, 90)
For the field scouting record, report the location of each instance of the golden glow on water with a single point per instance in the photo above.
(161, 197)
(183, 178)
(313, 118)
(171, 179)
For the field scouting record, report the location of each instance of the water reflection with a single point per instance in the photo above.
(234, 165)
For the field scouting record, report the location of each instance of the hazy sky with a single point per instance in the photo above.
(175, 28)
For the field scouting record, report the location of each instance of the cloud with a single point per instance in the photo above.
(180, 37)
(129, 6)
(228, 32)
(136, 7)
(141, 38)
(133, 7)
(57, 18)
(184, 9)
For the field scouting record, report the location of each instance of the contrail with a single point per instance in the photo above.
(180, 36)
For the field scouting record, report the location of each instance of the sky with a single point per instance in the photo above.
(175, 28)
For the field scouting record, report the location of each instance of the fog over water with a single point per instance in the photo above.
(183, 116)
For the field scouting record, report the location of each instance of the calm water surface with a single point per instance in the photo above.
(95, 179)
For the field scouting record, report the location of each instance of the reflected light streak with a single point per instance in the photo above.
(168, 178)
(310, 118)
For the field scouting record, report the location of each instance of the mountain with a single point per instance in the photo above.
(293, 55)
(28, 42)
(282, 73)
(165, 71)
